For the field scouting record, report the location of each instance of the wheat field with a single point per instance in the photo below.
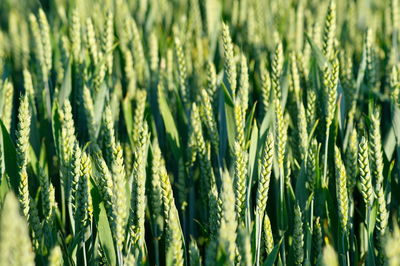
(199, 132)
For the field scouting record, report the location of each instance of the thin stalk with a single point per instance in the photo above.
(258, 238)
(324, 181)
(281, 212)
(156, 251)
(119, 256)
(84, 253)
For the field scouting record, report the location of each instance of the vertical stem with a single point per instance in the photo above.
(156, 251)
(281, 211)
(324, 179)
(258, 238)
(63, 213)
(84, 253)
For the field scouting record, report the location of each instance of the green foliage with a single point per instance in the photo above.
(215, 132)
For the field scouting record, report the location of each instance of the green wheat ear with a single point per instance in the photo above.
(265, 175)
(341, 190)
(330, 31)
(230, 64)
(228, 227)
(298, 237)
(268, 237)
(376, 149)
(7, 92)
(365, 174)
(22, 146)
(194, 253)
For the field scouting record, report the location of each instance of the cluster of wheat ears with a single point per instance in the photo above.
(199, 132)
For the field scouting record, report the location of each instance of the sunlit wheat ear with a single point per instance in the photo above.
(37, 40)
(15, 244)
(330, 81)
(138, 197)
(311, 164)
(265, 89)
(108, 135)
(277, 65)
(375, 146)
(365, 174)
(240, 178)
(68, 140)
(394, 83)
(91, 41)
(155, 198)
(153, 52)
(182, 70)
(211, 80)
(138, 53)
(243, 92)
(239, 119)
(208, 118)
(341, 190)
(381, 225)
(230, 64)
(89, 112)
(383, 215)
(267, 235)
(174, 239)
(141, 98)
(302, 129)
(330, 31)
(371, 72)
(8, 96)
(45, 38)
(84, 209)
(108, 40)
(280, 133)
(22, 146)
(265, 175)
(311, 108)
(110, 199)
(75, 34)
(351, 161)
(227, 231)
(119, 192)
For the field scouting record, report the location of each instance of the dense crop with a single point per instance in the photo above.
(201, 132)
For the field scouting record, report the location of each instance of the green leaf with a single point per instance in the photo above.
(127, 111)
(322, 61)
(56, 127)
(228, 97)
(272, 256)
(393, 136)
(230, 124)
(10, 159)
(105, 236)
(99, 107)
(66, 86)
(170, 127)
